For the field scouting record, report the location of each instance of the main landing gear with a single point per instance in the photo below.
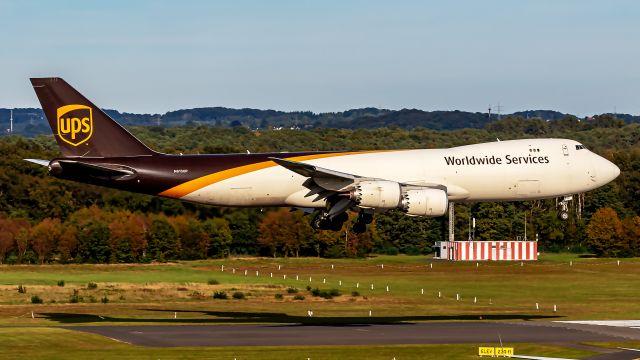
(362, 221)
(323, 221)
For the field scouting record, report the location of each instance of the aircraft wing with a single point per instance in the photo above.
(325, 183)
(326, 179)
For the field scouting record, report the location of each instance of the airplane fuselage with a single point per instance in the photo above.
(497, 171)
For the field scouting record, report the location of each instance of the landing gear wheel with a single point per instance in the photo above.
(365, 218)
(359, 228)
(338, 221)
(321, 221)
(563, 215)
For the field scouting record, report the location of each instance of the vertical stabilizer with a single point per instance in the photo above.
(81, 128)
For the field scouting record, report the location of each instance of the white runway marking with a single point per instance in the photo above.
(632, 324)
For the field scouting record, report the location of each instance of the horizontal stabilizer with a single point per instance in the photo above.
(92, 170)
(38, 161)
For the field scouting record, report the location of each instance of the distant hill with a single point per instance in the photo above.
(31, 121)
(412, 118)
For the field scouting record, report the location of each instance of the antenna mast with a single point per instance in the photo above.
(499, 110)
(11, 122)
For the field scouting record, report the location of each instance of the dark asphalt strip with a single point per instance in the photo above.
(418, 333)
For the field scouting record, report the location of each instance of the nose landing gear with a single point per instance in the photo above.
(563, 214)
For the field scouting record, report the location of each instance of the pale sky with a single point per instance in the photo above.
(579, 56)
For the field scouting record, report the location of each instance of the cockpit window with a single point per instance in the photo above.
(580, 147)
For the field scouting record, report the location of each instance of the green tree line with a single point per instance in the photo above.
(43, 219)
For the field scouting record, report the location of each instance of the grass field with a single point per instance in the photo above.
(580, 289)
(180, 293)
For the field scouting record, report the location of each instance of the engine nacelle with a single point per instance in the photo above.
(425, 202)
(377, 194)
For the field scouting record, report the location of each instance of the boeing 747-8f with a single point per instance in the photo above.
(97, 150)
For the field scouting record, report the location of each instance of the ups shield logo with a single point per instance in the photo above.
(75, 124)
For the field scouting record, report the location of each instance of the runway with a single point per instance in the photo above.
(371, 334)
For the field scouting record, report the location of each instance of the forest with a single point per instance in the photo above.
(44, 219)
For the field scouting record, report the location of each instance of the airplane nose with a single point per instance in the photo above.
(607, 170)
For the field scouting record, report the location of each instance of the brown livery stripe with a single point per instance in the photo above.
(199, 183)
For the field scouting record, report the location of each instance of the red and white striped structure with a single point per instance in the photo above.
(487, 250)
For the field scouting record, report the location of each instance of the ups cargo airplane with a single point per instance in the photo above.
(97, 150)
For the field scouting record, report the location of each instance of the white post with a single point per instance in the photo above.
(221, 267)
(431, 265)
(371, 286)
(370, 313)
(284, 276)
(324, 280)
(279, 266)
(387, 288)
(475, 300)
(296, 277)
(340, 282)
(457, 297)
(271, 274)
(555, 308)
(233, 270)
(331, 266)
(439, 294)
(175, 314)
(245, 273)
(537, 306)
(256, 272)
(309, 278)
(357, 285)
(382, 266)
(421, 291)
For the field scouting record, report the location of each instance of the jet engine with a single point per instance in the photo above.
(425, 202)
(380, 194)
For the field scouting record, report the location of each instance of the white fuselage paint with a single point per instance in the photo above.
(555, 167)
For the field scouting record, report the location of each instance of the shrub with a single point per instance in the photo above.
(325, 294)
(278, 296)
(197, 295)
(75, 297)
(22, 289)
(238, 295)
(308, 287)
(213, 282)
(298, 297)
(92, 286)
(35, 299)
(292, 290)
(104, 299)
(220, 295)
(92, 299)
(355, 293)
(61, 283)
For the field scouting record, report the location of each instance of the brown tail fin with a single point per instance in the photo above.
(81, 128)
